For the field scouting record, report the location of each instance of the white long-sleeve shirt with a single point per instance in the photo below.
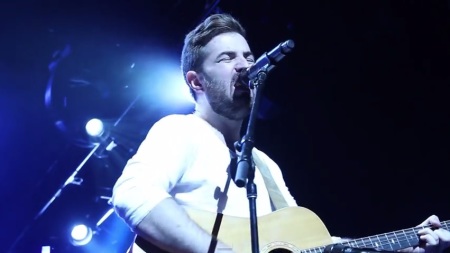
(185, 158)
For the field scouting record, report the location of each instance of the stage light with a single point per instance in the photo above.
(94, 127)
(81, 235)
(45, 249)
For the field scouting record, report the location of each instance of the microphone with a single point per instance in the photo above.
(339, 248)
(266, 62)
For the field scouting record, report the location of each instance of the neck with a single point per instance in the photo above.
(230, 129)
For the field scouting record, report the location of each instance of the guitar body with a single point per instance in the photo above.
(291, 228)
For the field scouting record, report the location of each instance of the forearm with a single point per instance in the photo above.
(169, 227)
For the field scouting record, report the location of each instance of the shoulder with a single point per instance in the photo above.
(170, 131)
(261, 155)
(262, 158)
(174, 123)
(173, 120)
(168, 127)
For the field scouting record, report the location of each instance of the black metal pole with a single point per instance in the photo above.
(255, 77)
(245, 168)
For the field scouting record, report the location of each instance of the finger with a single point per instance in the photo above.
(430, 240)
(430, 233)
(432, 220)
(425, 231)
(443, 235)
(418, 250)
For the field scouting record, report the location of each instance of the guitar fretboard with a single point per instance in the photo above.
(388, 241)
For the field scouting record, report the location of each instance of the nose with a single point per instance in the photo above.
(241, 64)
(241, 67)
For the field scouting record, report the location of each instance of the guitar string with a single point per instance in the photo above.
(409, 236)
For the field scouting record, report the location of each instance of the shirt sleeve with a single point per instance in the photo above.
(152, 172)
(277, 177)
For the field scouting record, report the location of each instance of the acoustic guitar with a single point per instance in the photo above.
(290, 229)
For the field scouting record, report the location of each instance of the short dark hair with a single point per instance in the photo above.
(216, 24)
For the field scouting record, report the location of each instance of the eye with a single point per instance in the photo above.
(251, 60)
(225, 58)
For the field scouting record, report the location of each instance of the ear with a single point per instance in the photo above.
(192, 78)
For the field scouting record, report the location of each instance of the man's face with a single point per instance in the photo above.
(225, 55)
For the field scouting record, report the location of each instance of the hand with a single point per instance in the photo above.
(432, 239)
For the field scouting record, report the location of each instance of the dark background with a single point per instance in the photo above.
(357, 116)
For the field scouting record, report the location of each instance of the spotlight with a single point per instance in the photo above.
(81, 235)
(46, 249)
(94, 127)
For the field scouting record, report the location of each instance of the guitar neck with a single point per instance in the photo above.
(392, 241)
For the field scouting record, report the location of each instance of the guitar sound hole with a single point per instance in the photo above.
(280, 251)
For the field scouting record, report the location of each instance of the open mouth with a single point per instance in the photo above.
(240, 88)
(239, 83)
(241, 92)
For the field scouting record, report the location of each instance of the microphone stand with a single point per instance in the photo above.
(245, 170)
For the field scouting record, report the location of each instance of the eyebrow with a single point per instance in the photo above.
(249, 53)
(246, 54)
